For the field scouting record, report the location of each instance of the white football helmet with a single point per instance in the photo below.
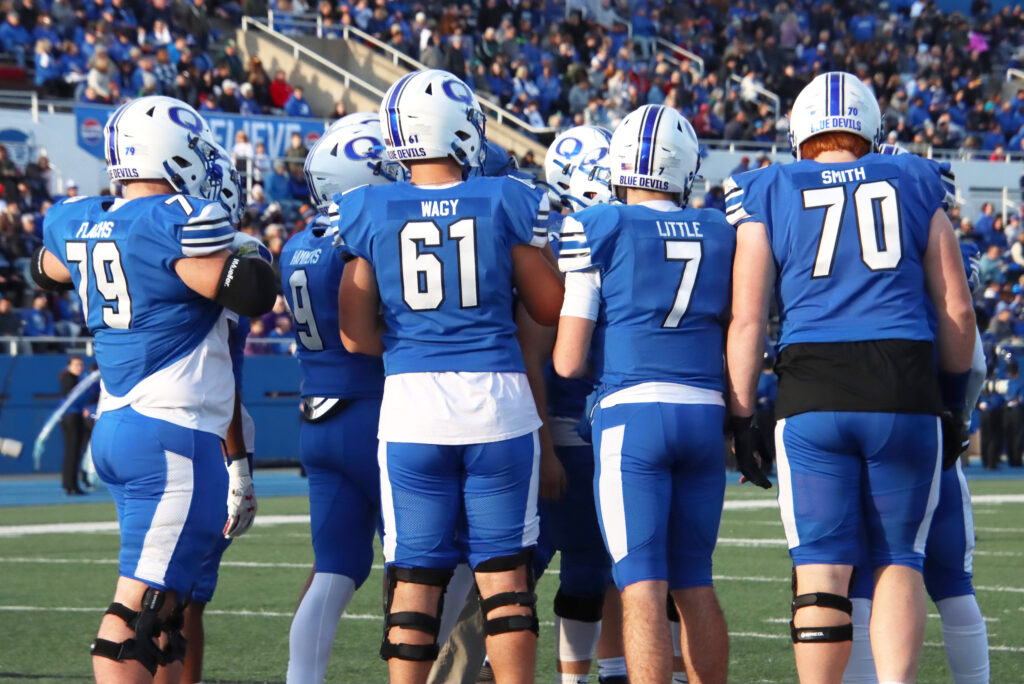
(580, 146)
(835, 101)
(589, 188)
(357, 118)
(346, 157)
(432, 114)
(161, 138)
(655, 148)
(230, 185)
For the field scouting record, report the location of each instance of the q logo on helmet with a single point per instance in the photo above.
(458, 91)
(187, 119)
(562, 149)
(370, 149)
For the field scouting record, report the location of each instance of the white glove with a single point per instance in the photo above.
(241, 499)
(245, 245)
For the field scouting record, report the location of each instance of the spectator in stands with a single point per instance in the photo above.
(280, 90)
(15, 38)
(38, 321)
(297, 105)
(164, 71)
(10, 323)
(992, 434)
(227, 101)
(247, 103)
(990, 266)
(101, 78)
(1001, 327)
(242, 152)
(73, 427)
(296, 155)
(257, 331)
(30, 238)
(276, 184)
(257, 77)
(282, 332)
(48, 74)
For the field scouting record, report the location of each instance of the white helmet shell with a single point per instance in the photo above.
(655, 148)
(346, 157)
(579, 147)
(835, 102)
(161, 138)
(589, 188)
(432, 114)
(357, 118)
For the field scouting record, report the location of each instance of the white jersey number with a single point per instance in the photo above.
(876, 199)
(423, 272)
(302, 310)
(690, 253)
(110, 280)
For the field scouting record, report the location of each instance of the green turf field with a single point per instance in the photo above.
(55, 586)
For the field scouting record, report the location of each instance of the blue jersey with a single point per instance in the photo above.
(443, 263)
(849, 242)
(310, 275)
(121, 256)
(665, 281)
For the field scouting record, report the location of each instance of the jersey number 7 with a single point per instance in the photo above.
(691, 253)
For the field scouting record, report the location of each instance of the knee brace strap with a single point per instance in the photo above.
(419, 652)
(505, 563)
(435, 577)
(579, 608)
(833, 634)
(421, 622)
(508, 598)
(512, 623)
(824, 600)
(143, 648)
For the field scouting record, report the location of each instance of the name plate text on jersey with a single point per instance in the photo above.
(677, 229)
(833, 176)
(95, 230)
(304, 257)
(433, 208)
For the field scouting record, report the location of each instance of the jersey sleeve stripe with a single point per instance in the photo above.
(217, 239)
(735, 192)
(574, 263)
(198, 225)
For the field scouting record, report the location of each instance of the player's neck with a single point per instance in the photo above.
(435, 172)
(638, 195)
(146, 188)
(836, 157)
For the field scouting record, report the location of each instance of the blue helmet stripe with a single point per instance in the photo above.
(647, 130)
(394, 129)
(835, 92)
(112, 135)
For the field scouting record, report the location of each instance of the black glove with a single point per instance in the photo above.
(745, 440)
(954, 438)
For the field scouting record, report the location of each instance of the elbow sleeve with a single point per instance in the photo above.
(39, 276)
(247, 286)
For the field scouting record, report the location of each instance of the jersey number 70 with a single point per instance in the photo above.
(869, 199)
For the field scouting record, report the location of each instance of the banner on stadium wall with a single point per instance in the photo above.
(274, 131)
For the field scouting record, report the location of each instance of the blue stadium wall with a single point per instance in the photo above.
(30, 391)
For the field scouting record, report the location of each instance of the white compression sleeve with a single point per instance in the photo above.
(582, 294)
(966, 639)
(575, 640)
(314, 625)
(860, 669)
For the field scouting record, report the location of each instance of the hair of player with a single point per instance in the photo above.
(835, 141)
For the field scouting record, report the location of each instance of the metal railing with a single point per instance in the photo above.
(670, 51)
(762, 92)
(397, 57)
(1012, 74)
(29, 99)
(347, 77)
(17, 344)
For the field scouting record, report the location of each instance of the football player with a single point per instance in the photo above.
(238, 443)
(155, 275)
(949, 551)
(341, 395)
(854, 246)
(659, 479)
(458, 426)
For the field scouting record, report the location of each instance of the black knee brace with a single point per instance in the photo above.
(147, 626)
(511, 623)
(176, 642)
(421, 622)
(580, 608)
(831, 634)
